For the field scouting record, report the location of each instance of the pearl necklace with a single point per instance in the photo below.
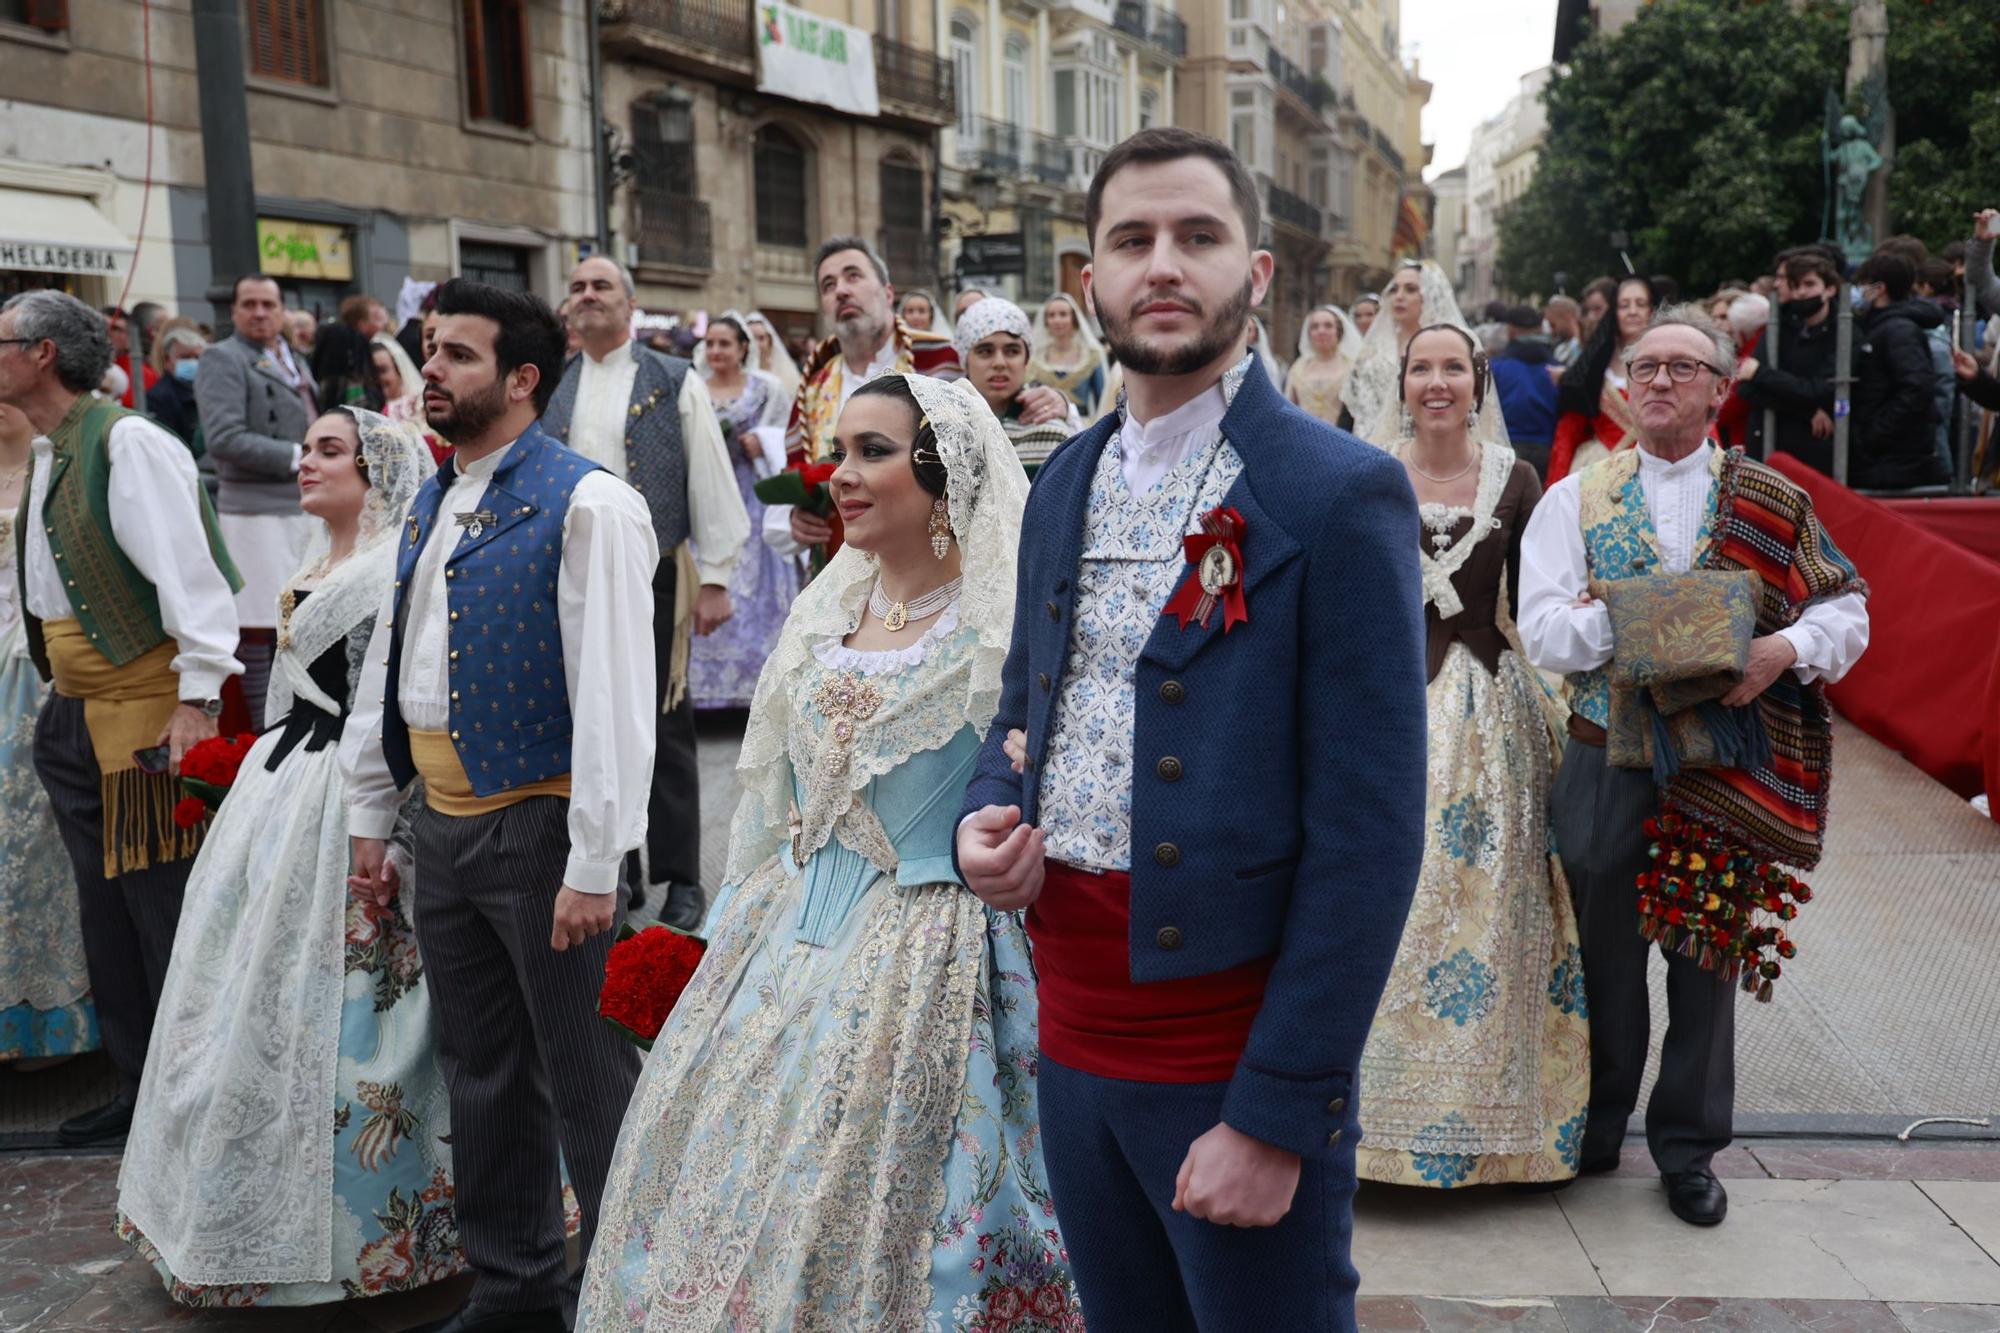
(895, 615)
(1470, 464)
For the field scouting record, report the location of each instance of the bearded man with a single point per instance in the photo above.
(1217, 681)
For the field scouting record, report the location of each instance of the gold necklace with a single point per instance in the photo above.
(895, 615)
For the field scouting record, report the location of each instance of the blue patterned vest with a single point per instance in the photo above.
(510, 719)
(1619, 543)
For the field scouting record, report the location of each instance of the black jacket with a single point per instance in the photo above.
(1894, 439)
(171, 403)
(1799, 384)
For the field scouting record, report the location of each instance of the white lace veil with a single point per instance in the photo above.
(1374, 387)
(1344, 354)
(1086, 337)
(940, 317)
(1272, 371)
(397, 461)
(986, 491)
(782, 367)
(406, 369)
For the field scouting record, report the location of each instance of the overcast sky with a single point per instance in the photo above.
(1474, 53)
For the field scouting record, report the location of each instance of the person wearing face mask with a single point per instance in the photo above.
(1673, 505)
(177, 350)
(848, 1084)
(1895, 407)
(287, 991)
(1477, 1067)
(992, 342)
(1593, 402)
(1799, 385)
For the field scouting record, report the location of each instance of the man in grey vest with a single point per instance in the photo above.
(647, 419)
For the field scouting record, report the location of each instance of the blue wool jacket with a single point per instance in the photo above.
(1292, 826)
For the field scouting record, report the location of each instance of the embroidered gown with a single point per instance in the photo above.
(45, 1007)
(837, 1128)
(1478, 1066)
(723, 666)
(291, 1143)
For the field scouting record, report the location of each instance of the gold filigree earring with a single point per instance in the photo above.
(940, 528)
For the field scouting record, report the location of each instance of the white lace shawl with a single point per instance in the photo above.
(986, 491)
(1496, 464)
(1374, 388)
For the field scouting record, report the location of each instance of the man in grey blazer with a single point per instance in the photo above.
(256, 401)
(645, 417)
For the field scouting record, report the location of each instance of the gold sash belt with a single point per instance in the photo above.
(448, 790)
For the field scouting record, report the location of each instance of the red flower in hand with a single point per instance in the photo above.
(644, 977)
(189, 811)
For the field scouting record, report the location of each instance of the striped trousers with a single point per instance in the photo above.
(129, 921)
(530, 1067)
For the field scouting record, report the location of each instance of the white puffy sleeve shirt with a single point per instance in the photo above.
(1559, 636)
(604, 605)
(154, 493)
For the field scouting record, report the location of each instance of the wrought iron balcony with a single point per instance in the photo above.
(1293, 211)
(721, 28)
(1170, 34)
(1387, 149)
(673, 229)
(1130, 18)
(1008, 150)
(1311, 90)
(915, 77)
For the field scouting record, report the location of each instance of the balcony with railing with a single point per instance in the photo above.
(1387, 149)
(1310, 89)
(673, 229)
(1130, 19)
(1013, 153)
(702, 33)
(919, 80)
(1170, 34)
(1294, 211)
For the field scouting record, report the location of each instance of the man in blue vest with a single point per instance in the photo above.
(513, 671)
(1217, 824)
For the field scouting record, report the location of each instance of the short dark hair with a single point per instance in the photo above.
(930, 472)
(833, 245)
(1954, 253)
(1481, 366)
(1803, 263)
(1167, 143)
(1890, 268)
(1909, 247)
(530, 334)
(236, 288)
(1939, 276)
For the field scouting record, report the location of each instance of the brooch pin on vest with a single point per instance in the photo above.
(475, 522)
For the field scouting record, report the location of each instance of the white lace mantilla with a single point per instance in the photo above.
(1496, 464)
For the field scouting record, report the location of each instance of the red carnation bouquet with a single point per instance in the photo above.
(643, 980)
(208, 770)
(808, 486)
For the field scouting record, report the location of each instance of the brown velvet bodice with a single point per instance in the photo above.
(1478, 580)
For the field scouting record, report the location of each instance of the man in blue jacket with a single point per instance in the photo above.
(1217, 678)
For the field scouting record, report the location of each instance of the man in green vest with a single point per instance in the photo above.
(127, 594)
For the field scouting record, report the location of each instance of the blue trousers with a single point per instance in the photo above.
(1114, 1149)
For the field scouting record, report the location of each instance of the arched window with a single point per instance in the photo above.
(1149, 109)
(781, 189)
(1018, 111)
(965, 73)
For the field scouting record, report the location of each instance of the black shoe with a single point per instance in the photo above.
(472, 1319)
(1696, 1197)
(107, 1124)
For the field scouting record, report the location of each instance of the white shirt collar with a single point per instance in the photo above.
(1202, 412)
(479, 469)
(617, 357)
(1660, 467)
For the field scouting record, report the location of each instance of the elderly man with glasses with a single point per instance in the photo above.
(1677, 503)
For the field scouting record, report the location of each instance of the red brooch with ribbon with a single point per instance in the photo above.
(1216, 552)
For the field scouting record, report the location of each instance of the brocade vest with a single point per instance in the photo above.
(117, 605)
(1619, 542)
(655, 452)
(510, 718)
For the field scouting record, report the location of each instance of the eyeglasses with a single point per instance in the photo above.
(1645, 370)
(21, 342)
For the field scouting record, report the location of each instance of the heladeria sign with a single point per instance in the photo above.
(49, 257)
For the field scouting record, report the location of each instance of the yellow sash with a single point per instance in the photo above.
(448, 790)
(125, 709)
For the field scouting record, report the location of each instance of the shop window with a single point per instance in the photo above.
(48, 15)
(495, 265)
(497, 86)
(781, 189)
(287, 41)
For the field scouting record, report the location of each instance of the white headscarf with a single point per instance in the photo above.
(1086, 337)
(406, 369)
(995, 314)
(777, 403)
(985, 491)
(1271, 371)
(1344, 352)
(940, 317)
(782, 367)
(1374, 387)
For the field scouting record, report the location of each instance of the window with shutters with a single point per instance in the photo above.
(497, 42)
(47, 15)
(781, 189)
(674, 227)
(287, 40)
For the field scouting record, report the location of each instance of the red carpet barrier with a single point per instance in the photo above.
(1929, 684)
(1972, 523)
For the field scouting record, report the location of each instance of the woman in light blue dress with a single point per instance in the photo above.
(837, 1127)
(291, 1144)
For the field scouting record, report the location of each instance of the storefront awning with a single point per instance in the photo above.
(60, 233)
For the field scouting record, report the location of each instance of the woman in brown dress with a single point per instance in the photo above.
(1477, 1068)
